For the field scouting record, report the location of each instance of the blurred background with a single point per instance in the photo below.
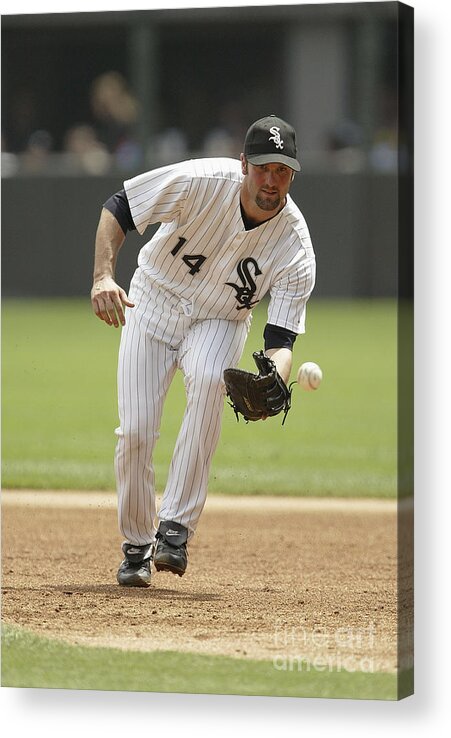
(91, 99)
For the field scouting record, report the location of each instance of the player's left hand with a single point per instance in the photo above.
(257, 396)
(109, 300)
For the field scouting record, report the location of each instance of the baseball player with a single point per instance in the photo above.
(229, 234)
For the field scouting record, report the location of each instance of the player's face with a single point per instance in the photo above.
(268, 184)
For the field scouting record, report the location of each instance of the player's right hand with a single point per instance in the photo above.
(109, 300)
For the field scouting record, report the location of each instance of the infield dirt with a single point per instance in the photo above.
(291, 580)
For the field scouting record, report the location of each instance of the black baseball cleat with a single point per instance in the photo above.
(170, 548)
(135, 568)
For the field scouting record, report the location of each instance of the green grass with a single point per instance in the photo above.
(32, 661)
(59, 405)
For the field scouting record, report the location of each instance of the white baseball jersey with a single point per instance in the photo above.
(197, 281)
(203, 258)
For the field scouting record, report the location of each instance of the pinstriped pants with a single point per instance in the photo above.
(145, 371)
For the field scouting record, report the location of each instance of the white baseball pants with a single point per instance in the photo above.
(145, 371)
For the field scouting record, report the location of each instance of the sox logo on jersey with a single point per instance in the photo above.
(246, 291)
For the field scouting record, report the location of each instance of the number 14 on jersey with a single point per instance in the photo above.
(193, 261)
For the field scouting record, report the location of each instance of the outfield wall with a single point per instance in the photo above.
(49, 224)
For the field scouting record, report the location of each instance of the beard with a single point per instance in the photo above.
(268, 202)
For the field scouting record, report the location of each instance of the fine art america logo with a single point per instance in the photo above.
(343, 649)
(276, 137)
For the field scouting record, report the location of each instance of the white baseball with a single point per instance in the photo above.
(309, 376)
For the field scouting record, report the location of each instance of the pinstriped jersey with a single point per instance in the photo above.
(203, 256)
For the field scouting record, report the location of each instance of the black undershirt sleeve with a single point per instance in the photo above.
(118, 205)
(277, 337)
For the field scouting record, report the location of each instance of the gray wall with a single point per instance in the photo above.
(49, 224)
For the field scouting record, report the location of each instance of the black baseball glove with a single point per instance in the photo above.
(257, 396)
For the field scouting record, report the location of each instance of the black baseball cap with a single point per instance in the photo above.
(271, 139)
